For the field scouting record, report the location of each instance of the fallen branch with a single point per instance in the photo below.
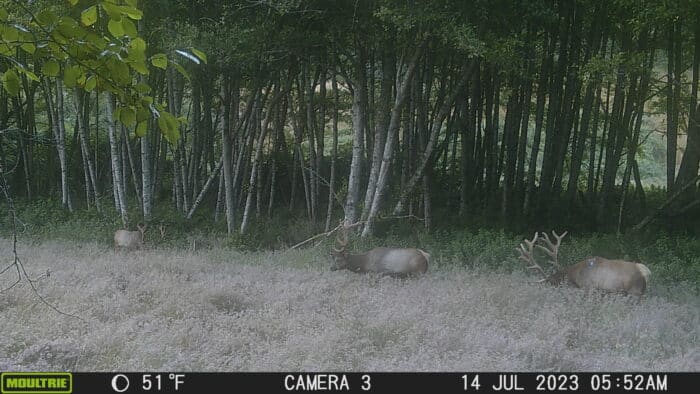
(17, 262)
(326, 234)
(347, 227)
(665, 205)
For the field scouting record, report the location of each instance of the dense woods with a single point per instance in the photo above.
(175, 176)
(520, 113)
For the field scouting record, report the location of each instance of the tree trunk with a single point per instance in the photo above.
(82, 113)
(334, 153)
(358, 124)
(691, 157)
(229, 90)
(117, 174)
(437, 123)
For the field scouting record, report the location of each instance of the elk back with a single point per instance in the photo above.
(611, 275)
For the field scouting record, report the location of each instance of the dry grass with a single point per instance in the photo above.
(219, 310)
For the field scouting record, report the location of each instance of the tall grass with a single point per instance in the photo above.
(221, 309)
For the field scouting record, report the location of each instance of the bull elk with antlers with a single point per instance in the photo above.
(397, 262)
(594, 272)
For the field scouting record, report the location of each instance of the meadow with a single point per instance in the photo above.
(223, 309)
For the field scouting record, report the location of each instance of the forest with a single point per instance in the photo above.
(242, 135)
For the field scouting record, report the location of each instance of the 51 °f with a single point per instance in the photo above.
(156, 380)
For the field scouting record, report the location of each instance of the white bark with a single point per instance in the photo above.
(85, 149)
(358, 123)
(389, 145)
(146, 178)
(425, 157)
(117, 176)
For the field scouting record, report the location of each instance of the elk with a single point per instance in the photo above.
(591, 273)
(396, 262)
(129, 239)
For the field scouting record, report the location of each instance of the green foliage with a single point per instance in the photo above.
(671, 259)
(102, 51)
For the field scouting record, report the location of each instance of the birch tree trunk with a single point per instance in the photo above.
(358, 123)
(252, 184)
(389, 144)
(81, 116)
(146, 178)
(334, 154)
(60, 139)
(437, 123)
(117, 175)
(226, 156)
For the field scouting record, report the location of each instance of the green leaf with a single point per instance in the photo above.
(115, 27)
(132, 12)
(138, 44)
(129, 28)
(90, 83)
(10, 34)
(159, 60)
(89, 16)
(141, 129)
(46, 17)
(182, 71)
(97, 40)
(71, 75)
(3, 15)
(116, 114)
(199, 54)
(28, 47)
(142, 114)
(128, 117)
(50, 68)
(10, 81)
(169, 126)
(142, 88)
(29, 74)
(67, 28)
(140, 67)
(73, 2)
(112, 10)
(119, 72)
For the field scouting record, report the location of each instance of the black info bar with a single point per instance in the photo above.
(355, 382)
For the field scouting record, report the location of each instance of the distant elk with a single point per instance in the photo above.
(592, 273)
(129, 239)
(396, 262)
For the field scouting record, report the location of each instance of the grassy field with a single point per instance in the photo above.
(219, 309)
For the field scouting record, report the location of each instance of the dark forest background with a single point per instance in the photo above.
(273, 120)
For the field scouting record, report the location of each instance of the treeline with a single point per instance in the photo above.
(519, 111)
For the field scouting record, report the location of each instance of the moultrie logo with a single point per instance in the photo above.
(36, 382)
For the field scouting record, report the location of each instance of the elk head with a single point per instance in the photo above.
(129, 239)
(339, 252)
(594, 272)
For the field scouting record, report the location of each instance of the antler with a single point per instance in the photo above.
(551, 249)
(527, 255)
(341, 240)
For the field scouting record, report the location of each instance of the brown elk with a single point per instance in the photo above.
(592, 273)
(129, 239)
(397, 262)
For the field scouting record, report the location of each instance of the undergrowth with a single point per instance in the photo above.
(671, 258)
